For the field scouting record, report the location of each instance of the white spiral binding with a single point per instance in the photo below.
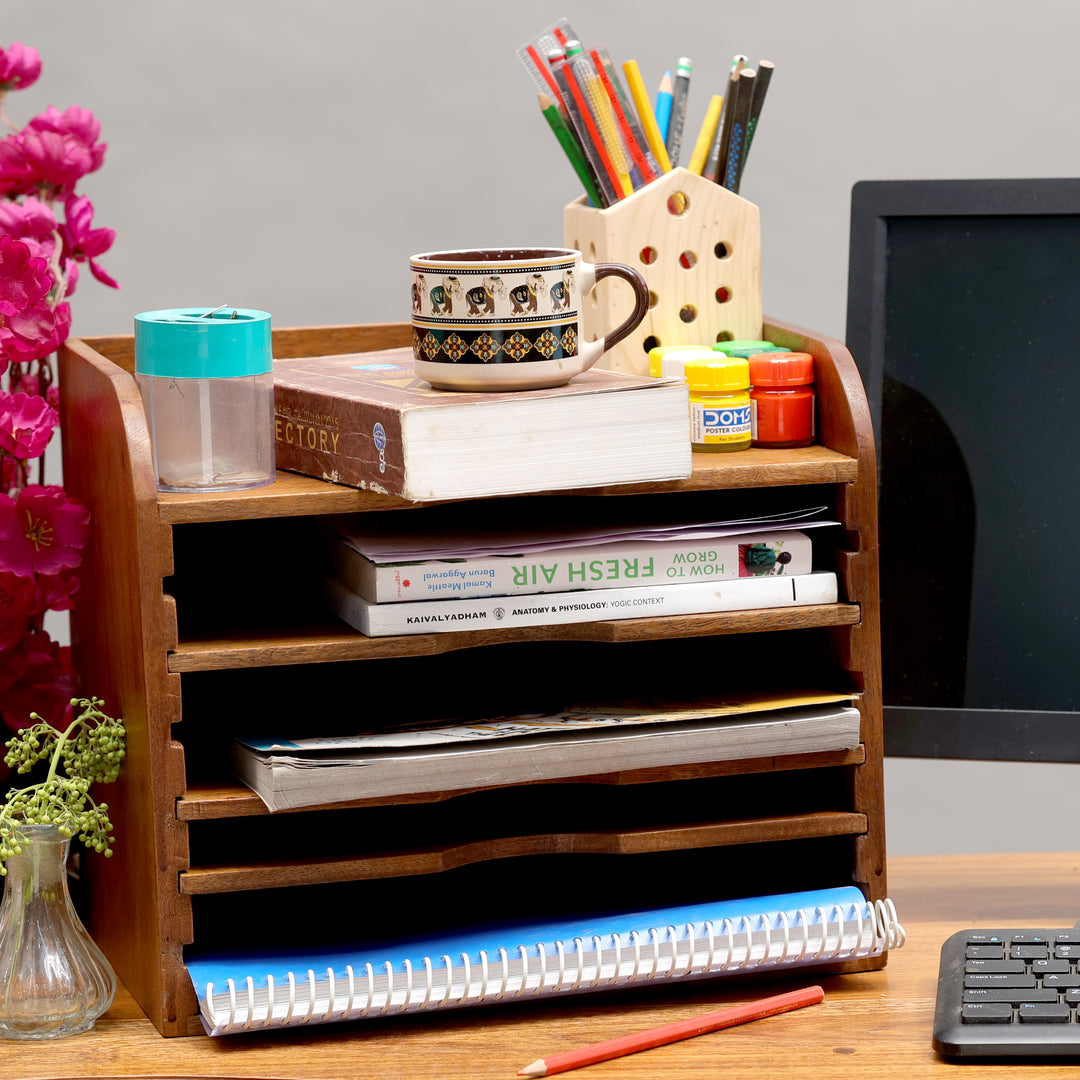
(777, 941)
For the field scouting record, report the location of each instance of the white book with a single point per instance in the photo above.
(289, 774)
(597, 566)
(548, 609)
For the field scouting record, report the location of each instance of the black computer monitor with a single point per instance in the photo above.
(964, 319)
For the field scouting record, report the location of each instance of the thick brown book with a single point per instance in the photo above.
(366, 420)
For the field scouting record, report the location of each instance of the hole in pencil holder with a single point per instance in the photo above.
(723, 294)
(722, 251)
(648, 255)
(688, 313)
(678, 203)
(688, 260)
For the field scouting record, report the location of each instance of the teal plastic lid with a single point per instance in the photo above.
(203, 343)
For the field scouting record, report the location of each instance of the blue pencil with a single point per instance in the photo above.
(664, 97)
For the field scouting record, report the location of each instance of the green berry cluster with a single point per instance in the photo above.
(89, 751)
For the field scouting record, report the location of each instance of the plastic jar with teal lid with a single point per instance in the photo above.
(719, 404)
(207, 384)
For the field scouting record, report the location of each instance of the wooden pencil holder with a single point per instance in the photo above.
(698, 247)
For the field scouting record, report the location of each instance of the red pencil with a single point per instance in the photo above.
(683, 1029)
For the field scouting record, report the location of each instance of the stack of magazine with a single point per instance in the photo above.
(384, 583)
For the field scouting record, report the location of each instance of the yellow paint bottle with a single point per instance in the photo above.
(719, 404)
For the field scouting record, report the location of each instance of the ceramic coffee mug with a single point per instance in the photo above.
(509, 318)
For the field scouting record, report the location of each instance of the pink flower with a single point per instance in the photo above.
(24, 280)
(32, 222)
(26, 424)
(29, 328)
(35, 676)
(20, 67)
(55, 592)
(41, 531)
(16, 173)
(79, 124)
(18, 596)
(14, 474)
(84, 243)
(57, 162)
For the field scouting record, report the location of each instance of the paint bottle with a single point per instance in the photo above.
(719, 404)
(746, 349)
(670, 360)
(782, 399)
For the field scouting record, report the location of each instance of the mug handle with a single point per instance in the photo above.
(591, 351)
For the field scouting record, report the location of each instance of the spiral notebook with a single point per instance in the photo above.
(252, 992)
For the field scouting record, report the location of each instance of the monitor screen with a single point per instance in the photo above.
(964, 319)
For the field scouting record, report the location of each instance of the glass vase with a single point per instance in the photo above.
(54, 981)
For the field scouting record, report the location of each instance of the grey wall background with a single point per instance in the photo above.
(289, 156)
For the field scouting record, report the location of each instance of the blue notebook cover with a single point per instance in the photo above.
(484, 942)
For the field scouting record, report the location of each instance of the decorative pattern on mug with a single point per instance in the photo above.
(491, 345)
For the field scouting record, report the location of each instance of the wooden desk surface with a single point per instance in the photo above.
(870, 1025)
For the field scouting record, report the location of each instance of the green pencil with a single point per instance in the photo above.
(570, 145)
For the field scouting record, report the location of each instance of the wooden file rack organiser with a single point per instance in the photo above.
(192, 620)
(698, 247)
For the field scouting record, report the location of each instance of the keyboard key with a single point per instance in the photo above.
(1067, 937)
(1012, 967)
(1033, 952)
(986, 1013)
(1061, 982)
(985, 952)
(1045, 967)
(1004, 981)
(1029, 939)
(1044, 1014)
(983, 939)
(1066, 952)
(1013, 996)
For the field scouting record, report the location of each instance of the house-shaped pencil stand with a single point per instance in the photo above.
(698, 247)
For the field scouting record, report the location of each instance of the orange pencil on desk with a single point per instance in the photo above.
(682, 1029)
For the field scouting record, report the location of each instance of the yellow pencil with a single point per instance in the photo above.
(706, 135)
(645, 114)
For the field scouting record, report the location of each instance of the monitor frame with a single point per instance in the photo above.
(929, 731)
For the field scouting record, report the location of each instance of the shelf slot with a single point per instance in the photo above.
(238, 878)
(212, 802)
(337, 642)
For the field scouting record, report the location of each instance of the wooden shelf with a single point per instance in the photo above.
(338, 642)
(239, 877)
(210, 802)
(294, 495)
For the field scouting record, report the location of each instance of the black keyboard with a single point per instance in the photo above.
(1009, 993)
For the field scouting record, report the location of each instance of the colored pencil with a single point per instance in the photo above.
(740, 118)
(683, 1029)
(673, 140)
(706, 135)
(645, 114)
(765, 69)
(570, 146)
(716, 151)
(664, 97)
